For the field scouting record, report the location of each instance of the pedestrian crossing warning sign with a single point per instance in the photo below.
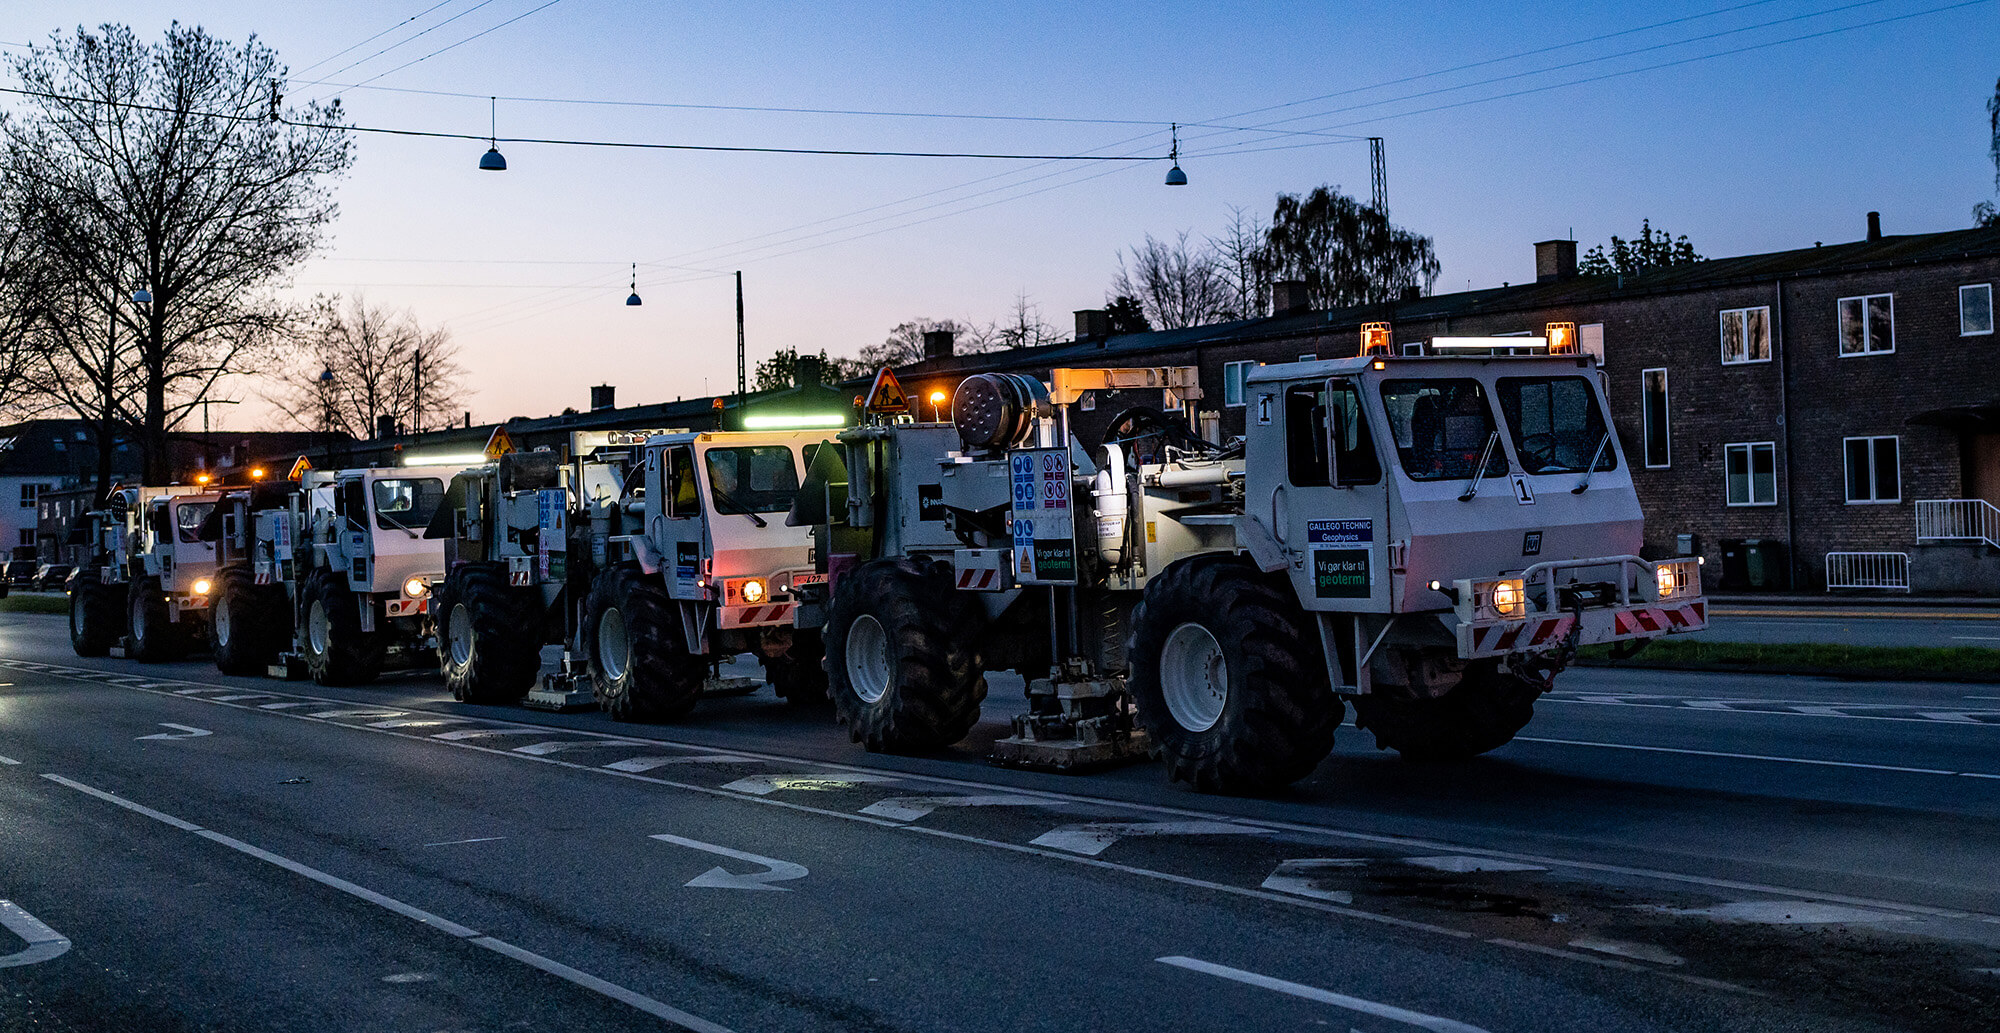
(887, 396)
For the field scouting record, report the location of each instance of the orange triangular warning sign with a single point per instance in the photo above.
(887, 395)
(299, 469)
(499, 444)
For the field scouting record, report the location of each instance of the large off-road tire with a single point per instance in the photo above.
(489, 635)
(243, 624)
(151, 635)
(901, 661)
(1481, 713)
(96, 618)
(640, 667)
(799, 676)
(337, 651)
(1229, 678)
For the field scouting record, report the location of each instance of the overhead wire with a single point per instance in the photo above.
(460, 43)
(410, 39)
(379, 35)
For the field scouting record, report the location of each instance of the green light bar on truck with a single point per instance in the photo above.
(799, 422)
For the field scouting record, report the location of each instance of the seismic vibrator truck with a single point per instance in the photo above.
(150, 581)
(1428, 539)
(651, 558)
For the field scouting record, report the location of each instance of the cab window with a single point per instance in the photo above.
(406, 503)
(1441, 426)
(681, 498)
(1321, 415)
(753, 479)
(1556, 424)
(187, 521)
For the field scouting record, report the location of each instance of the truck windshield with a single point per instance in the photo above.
(187, 520)
(753, 479)
(406, 503)
(1556, 424)
(1441, 428)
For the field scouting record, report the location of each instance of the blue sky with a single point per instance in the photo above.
(1763, 149)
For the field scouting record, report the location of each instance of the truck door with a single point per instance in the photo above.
(676, 527)
(1331, 509)
(356, 541)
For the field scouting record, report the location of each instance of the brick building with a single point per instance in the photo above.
(1825, 400)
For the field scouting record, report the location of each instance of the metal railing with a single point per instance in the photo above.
(1969, 520)
(1882, 570)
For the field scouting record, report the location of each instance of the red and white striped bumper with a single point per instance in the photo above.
(1541, 632)
(980, 580)
(756, 616)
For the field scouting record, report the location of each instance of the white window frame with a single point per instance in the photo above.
(30, 491)
(1244, 367)
(1309, 357)
(1872, 477)
(1962, 331)
(1667, 417)
(1865, 351)
(1722, 323)
(1749, 450)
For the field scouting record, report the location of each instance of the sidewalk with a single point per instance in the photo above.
(1851, 600)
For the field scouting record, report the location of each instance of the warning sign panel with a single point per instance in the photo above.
(1044, 521)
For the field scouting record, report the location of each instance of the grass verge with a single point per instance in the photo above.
(35, 602)
(1925, 663)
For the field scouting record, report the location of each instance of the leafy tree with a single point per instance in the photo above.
(1127, 315)
(357, 364)
(1649, 250)
(781, 370)
(171, 167)
(1177, 283)
(1346, 252)
(1983, 213)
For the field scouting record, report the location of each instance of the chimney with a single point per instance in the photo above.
(1092, 322)
(1412, 292)
(937, 344)
(603, 396)
(805, 370)
(1288, 296)
(385, 426)
(1874, 225)
(1554, 260)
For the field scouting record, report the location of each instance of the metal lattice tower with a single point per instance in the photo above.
(1381, 174)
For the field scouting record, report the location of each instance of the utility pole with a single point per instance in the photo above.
(1381, 175)
(742, 383)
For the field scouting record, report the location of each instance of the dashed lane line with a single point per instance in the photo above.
(1345, 835)
(652, 1007)
(1757, 756)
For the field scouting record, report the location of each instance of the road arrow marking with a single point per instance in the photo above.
(722, 879)
(1092, 838)
(185, 732)
(1301, 877)
(44, 943)
(765, 785)
(910, 808)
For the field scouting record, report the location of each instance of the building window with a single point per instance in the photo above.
(1975, 310)
(1653, 417)
(28, 494)
(1232, 381)
(1868, 325)
(1751, 472)
(28, 537)
(1590, 340)
(1874, 471)
(1309, 357)
(1746, 335)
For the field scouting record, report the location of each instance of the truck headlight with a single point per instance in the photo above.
(753, 591)
(201, 586)
(1506, 598)
(416, 588)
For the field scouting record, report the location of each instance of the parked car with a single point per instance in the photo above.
(20, 573)
(52, 576)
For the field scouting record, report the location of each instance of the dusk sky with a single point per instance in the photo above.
(1767, 142)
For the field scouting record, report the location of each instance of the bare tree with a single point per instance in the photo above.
(1240, 260)
(905, 343)
(1024, 328)
(169, 167)
(359, 366)
(20, 316)
(1178, 283)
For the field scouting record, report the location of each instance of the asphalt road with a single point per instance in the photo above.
(1659, 851)
(1855, 625)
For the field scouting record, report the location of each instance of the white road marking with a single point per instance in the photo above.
(1091, 839)
(1757, 707)
(910, 808)
(764, 785)
(1301, 877)
(241, 696)
(1466, 863)
(638, 764)
(1627, 949)
(409, 977)
(456, 842)
(1785, 912)
(419, 722)
(286, 706)
(8, 760)
(192, 692)
(328, 715)
(618, 993)
(721, 878)
(44, 943)
(1313, 993)
(1963, 717)
(543, 749)
(181, 732)
(1756, 756)
(1976, 638)
(480, 733)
